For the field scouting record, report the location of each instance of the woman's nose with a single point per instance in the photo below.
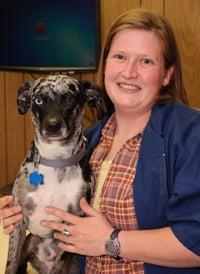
(130, 70)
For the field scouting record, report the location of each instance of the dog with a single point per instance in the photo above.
(55, 172)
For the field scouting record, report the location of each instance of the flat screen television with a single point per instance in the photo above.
(49, 35)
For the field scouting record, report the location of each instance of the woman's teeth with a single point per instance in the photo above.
(128, 86)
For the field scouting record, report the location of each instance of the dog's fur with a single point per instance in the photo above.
(56, 104)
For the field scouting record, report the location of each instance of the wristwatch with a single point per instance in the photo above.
(112, 245)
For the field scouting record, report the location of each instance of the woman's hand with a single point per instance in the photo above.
(87, 234)
(9, 214)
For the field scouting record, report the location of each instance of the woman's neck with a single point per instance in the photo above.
(129, 125)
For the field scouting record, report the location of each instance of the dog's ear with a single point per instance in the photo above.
(24, 97)
(93, 96)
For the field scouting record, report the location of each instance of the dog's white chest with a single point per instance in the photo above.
(61, 189)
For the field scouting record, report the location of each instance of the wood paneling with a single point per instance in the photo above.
(153, 5)
(16, 131)
(111, 9)
(14, 127)
(184, 16)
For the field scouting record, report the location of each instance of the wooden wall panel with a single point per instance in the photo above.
(153, 5)
(3, 154)
(15, 126)
(184, 16)
(111, 9)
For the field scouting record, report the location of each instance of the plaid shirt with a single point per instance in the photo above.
(116, 197)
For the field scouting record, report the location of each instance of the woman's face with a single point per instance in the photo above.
(134, 70)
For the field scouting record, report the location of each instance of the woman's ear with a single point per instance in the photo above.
(168, 74)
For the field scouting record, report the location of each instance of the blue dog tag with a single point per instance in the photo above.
(35, 178)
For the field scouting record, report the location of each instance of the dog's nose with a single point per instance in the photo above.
(53, 125)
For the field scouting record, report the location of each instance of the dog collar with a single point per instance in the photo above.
(35, 178)
(57, 163)
(61, 163)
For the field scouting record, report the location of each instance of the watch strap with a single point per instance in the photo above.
(114, 234)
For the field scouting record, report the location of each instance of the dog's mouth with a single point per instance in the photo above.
(54, 136)
(56, 132)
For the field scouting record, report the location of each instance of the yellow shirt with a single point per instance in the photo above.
(105, 166)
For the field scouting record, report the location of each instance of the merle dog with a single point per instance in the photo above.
(54, 172)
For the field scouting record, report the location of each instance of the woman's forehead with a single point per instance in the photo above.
(137, 40)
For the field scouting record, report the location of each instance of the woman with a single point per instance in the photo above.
(145, 214)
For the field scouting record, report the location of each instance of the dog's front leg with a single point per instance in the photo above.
(16, 242)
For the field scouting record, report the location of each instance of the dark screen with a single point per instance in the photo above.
(49, 34)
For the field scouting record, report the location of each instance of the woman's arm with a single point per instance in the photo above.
(88, 236)
(157, 246)
(9, 214)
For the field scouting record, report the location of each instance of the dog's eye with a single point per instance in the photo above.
(39, 100)
(67, 99)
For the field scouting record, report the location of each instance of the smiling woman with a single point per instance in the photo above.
(135, 74)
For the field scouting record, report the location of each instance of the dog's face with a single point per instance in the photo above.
(57, 104)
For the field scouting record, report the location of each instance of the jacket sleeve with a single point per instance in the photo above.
(183, 211)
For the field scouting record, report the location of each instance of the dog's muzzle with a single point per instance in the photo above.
(53, 125)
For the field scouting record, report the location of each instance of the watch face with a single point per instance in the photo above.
(112, 247)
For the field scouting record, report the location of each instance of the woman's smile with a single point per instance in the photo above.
(129, 88)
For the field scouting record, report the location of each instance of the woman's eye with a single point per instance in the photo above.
(146, 61)
(119, 57)
(39, 100)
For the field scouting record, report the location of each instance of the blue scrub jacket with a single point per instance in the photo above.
(166, 188)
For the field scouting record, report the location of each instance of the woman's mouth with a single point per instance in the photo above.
(129, 87)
